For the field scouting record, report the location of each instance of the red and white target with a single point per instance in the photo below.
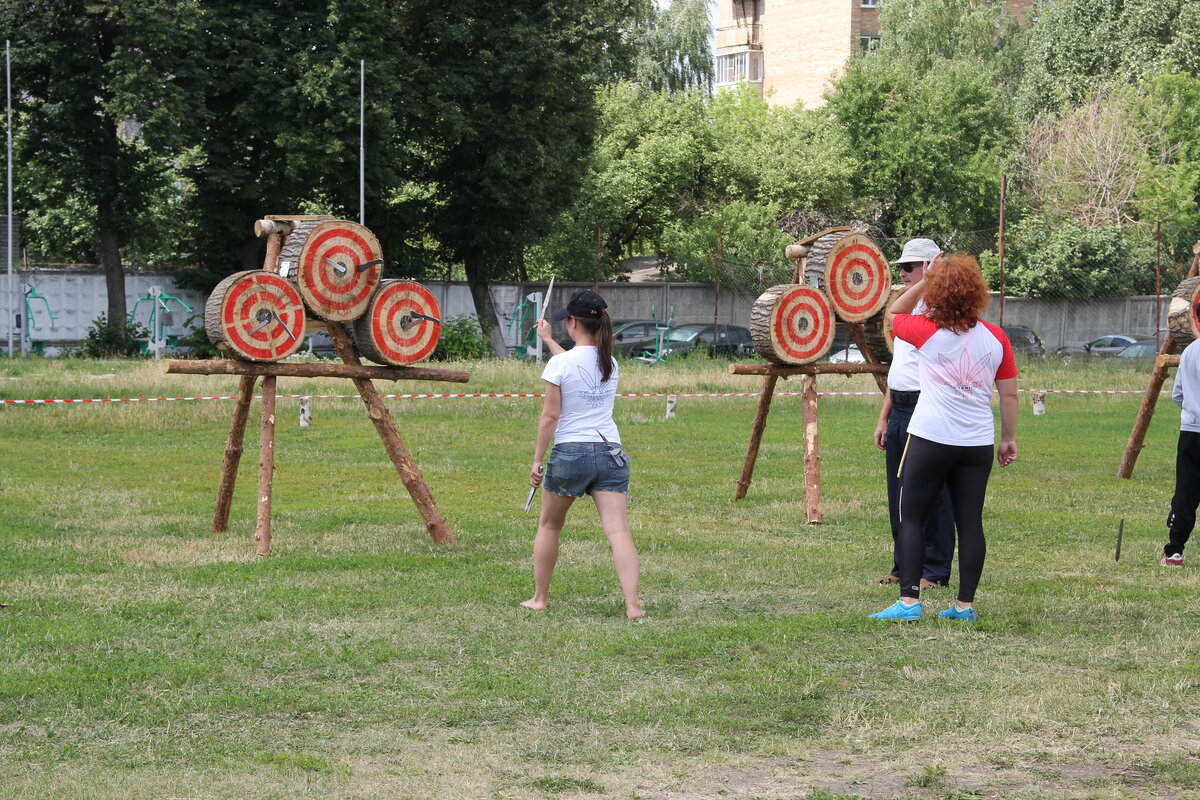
(338, 267)
(256, 316)
(857, 277)
(792, 324)
(401, 326)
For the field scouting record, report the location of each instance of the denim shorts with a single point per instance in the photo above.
(579, 468)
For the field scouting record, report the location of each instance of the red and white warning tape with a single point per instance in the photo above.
(491, 395)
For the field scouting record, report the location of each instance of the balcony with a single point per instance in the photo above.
(745, 36)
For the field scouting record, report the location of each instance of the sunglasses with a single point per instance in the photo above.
(910, 266)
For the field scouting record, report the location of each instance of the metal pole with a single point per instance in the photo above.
(1000, 248)
(1158, 287)
(362, 147)
(596, 266)
(12, 297)
(717, 305)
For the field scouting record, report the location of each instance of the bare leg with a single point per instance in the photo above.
(545, 546)
(614, 517)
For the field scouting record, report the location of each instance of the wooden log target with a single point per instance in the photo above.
(854, 272)
(881, 339)
(255, 316)
(792, 324)
(1181, 314)
(390, 333)
(336, 264)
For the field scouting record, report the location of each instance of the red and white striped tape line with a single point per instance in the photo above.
(491, 395)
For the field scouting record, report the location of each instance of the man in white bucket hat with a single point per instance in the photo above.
(891, 432)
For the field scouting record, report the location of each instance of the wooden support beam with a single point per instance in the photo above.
(1137, 437)
(812, 453)
(233, 454)
(410, 475)
(860, 338)
(266, 467)
(782, 371)
(314, 370)
(756, 432)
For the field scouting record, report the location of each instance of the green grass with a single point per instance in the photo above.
(142, 655)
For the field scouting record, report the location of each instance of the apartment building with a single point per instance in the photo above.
(791, 49)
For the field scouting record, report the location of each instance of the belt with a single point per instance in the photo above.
(905, 398)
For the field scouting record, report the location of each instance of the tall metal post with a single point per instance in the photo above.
(717, 304)
(1000, 247)
(362, 146)
(12, 294)
(1158, 286)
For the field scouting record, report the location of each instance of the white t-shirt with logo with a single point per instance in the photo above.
(903, 374)
(957, 373)
(587, 404)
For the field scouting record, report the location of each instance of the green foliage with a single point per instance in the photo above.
(1055, 258)
(750, 239)
(196, 340)
(672, 49)
(107, 341)
(463, 338)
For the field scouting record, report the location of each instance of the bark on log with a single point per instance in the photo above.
(1181, 313)
(792, 324)
(266, 467)
(307, 370)
(407, 469)
(1137, 437)
(860, 338)
(756, 433)
(271, 259)
(233, 454)
(807, 369)
(812, 454)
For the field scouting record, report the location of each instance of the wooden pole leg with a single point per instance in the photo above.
(233, 454)
(1137, 437)
(266, 468)
(812, 455)
(406, 468)
(756, 433)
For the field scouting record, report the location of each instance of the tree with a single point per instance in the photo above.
(513, 88)
(673, 51)
(82, 71)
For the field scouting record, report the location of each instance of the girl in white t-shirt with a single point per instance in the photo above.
(952, 430)
(581, 385)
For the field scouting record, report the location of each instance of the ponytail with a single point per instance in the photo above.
(601, 331)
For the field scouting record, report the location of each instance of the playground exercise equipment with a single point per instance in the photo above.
(161, 318)
(31, 294)
(662, 338)
(531, 308)
(259, 317)
(1182, 328)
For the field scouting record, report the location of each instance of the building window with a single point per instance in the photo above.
(869, 3)
(869, 41)
(738, 67)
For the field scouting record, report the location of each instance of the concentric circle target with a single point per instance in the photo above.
(255, 316)
(337, 266)
(395, 330)
(878, 332)
(1181, 314)
(792, 324)
(857, 277)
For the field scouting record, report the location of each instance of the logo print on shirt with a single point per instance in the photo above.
(962, 377)
(596, 392)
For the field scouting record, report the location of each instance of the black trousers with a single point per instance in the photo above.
(928, 468)
(939, 529)
(1187, 492)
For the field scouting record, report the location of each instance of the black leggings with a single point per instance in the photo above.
(964, 470)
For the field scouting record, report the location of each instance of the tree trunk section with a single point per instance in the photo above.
(114, 274)
(477, 280)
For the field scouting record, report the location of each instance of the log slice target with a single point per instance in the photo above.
(1181, 313)
(792, 324)
(336, 264)
(878, 333)
(389, 333)
(854, 272)
(255, 316)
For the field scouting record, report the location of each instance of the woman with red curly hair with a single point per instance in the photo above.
(952, 431)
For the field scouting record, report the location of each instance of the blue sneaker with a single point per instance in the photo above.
(954, 612)
(900, 612)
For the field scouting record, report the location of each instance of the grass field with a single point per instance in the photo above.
(142, 656)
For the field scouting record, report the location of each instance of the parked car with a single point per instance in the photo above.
(630, 337)
(732, 340)
(1107, 345)
(1147, 348)
(847, 354)
(1025, 341)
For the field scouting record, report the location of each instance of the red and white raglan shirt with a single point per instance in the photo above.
(957, 372)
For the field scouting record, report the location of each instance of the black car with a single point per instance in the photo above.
(1025, 341)
(732, 340)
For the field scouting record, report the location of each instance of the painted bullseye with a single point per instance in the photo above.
(857, 277)
(391, 332)
(802, 324)
(328, 273)
(260, 316)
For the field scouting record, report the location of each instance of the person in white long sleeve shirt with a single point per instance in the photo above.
(1186, 395)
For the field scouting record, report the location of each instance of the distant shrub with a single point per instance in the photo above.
(463, 338)
(105, 341)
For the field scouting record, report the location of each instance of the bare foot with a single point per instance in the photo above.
(887, 579)
(534, 605)
(635, 613)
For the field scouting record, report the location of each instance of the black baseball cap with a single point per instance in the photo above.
(584, 304)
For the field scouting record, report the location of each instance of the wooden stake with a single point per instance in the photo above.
(1137, 437)
(233, 454)
(266, 467)
(756, 432)
(812, 455)
(860, 338)
(410, 475)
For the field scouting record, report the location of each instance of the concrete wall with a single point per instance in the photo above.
(78, 296)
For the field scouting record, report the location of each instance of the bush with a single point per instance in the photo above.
(105, 341)
(463, 338)
(1060, 259)
(196, 341)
